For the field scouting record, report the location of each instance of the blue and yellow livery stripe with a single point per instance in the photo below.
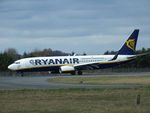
(57, 67)
(43, 66)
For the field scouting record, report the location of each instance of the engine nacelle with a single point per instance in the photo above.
(66, 69)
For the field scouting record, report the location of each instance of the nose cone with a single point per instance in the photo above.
(11, 67)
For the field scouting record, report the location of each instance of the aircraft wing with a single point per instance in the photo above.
(95, 65)
(90, 65)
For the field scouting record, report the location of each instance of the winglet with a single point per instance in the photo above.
(115, 57)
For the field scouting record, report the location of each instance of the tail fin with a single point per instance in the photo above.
(130, 45)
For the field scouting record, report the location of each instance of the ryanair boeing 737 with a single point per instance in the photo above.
(73, 64)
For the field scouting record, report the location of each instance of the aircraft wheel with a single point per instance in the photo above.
(22, 74)
(79, 72)
(73, 73)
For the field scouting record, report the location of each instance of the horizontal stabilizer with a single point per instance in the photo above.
(138, 55)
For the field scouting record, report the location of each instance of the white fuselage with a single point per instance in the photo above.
(55, 63)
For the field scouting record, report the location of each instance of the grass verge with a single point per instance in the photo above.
(75, 101)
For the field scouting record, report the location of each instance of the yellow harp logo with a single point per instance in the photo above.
(131, 44)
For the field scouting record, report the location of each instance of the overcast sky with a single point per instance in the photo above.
(91, 26)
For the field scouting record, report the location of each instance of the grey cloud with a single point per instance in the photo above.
(61, 20)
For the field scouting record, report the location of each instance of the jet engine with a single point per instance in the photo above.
(66, 69)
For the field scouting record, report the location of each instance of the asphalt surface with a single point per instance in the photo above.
(16, 83)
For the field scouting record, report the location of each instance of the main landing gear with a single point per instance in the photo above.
(78, 72)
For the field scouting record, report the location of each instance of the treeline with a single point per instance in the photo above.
(10, 55)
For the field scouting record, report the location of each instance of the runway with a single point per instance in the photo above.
(17, 83)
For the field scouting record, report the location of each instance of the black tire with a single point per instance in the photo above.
(80, 73)
(73, 73)
(22, 74)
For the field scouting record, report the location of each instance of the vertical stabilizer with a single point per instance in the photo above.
(130, 45)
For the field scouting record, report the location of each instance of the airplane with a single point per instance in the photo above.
(76, 64)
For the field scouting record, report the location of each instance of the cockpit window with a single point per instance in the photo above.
(16, 62)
